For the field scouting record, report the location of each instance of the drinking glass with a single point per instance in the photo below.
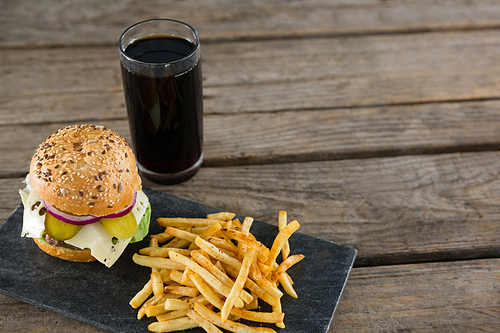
(162, 83)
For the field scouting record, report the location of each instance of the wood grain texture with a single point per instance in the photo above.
(68, 84)
(309, 135)
(50, 23)
(393, 210)
(440, 297)
(308, 128)
(18, 316)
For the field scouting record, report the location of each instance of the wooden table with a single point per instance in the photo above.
(376, 124)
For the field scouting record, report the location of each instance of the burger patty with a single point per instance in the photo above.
(58, 243)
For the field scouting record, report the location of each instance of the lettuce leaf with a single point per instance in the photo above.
(143, 227)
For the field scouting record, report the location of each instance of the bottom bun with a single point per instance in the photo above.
(64, 253)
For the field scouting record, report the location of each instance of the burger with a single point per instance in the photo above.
(83, 199)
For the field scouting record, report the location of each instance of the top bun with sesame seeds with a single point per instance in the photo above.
(85, 170)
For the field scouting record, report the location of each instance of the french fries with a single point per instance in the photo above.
(209, 272)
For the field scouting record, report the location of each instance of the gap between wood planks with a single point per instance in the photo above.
(278, 36)
(323, 157)
(422, 258)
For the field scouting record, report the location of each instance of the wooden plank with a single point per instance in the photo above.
(437, 297)
(17, 316)
(68, 84)
(310, 135)
(393, 210)
(49, 23)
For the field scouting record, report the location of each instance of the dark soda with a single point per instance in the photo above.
(165, 112)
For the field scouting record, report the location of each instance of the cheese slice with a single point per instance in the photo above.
(92, 236)
(100, 242)
(33, 216)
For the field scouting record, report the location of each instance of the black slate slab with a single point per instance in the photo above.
(97, 295)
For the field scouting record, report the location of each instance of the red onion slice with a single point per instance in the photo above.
(87, 219)
(72, 219)
(124, 211)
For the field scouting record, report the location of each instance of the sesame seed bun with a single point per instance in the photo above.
(85, 170)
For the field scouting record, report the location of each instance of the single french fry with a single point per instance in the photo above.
(281, 239)
(142, 295)
(162, 251)
(178, 243)
(171, 315)
(236, 223)
(282, 221)
(157, 283)
(262, 317)
(211, 230)
(246, 225)
(287, 284)
(165, 275)
(172, 325)
(238, 284)
(225, 216)
(156, 262)
(153, 242)
(162, 237)
(181, 234)
(185, 279)
(269, 287)
(186, 222)
(197, 230)
(228, 325)
(285, 265)
(205, 324)
(277, 308)
(183, 291)
(245, 229)
(176, 304)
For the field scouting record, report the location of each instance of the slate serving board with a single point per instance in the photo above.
(97, 295)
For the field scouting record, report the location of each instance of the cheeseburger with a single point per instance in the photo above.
(83, 199)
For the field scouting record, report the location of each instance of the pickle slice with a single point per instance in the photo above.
(121, 227)
(58, 229)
